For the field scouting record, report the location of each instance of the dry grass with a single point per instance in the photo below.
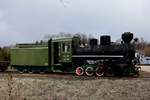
(73, 88)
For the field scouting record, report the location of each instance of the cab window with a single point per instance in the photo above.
(65, 47)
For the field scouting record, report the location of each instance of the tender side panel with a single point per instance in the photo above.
(29, 56)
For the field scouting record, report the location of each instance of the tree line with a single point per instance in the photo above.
(4, 53)
(142, 47)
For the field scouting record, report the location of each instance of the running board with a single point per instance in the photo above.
(99, 56)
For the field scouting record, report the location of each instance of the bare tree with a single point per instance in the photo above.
(83, 37)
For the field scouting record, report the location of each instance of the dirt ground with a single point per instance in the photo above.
(145, 68)
(70, 87)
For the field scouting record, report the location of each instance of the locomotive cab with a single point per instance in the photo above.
(61, 54)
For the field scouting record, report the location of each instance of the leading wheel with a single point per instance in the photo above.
(79, 71)
(99, 71)
(89, 71)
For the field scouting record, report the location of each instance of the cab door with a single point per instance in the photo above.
(66, 52)
(56, 53)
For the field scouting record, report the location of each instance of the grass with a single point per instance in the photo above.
(73, 88)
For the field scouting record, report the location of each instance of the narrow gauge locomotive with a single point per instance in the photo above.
(66, 55)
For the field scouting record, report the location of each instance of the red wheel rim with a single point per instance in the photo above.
(79, 71)
(99, 71)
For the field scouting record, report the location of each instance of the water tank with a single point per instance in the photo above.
(105, 40)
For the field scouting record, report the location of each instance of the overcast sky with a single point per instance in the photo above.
(30, 20)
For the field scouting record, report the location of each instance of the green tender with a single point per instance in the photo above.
(36, 56)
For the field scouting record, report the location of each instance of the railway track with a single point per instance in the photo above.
(68, 76)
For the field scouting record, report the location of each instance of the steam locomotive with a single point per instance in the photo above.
(68, 55)
(107, 58)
